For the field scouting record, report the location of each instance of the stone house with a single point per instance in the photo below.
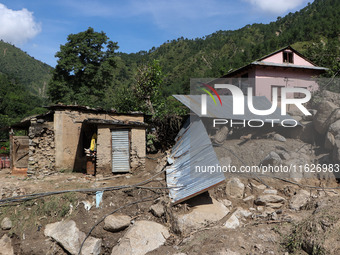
(56, 141)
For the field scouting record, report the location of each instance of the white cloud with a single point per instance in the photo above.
(277, 6)
(17, 26)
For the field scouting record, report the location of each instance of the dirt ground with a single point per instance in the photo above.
(256, 236)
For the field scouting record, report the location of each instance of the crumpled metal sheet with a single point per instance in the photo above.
(193, 148)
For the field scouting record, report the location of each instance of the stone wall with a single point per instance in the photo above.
(41, 153)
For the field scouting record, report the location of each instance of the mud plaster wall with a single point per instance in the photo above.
(104, 150)
(41, 154)
(67, 126)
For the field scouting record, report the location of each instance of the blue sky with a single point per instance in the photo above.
(39, 27)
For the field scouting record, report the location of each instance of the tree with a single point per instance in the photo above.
(84, 69)
(148, 83)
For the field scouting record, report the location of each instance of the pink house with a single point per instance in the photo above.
(283, 68)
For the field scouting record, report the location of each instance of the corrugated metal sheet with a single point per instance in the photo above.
(193, 102)
(120, 151)
(193, 148)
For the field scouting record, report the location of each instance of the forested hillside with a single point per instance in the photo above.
(24, 69)
(314, 31)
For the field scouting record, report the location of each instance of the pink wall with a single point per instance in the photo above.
(278, 58)
(291, 78)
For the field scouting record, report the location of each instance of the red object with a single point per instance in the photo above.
(7, 163)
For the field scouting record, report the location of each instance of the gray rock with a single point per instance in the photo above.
(270, 200)
(324, 111)
(272, 159)
(157, 210)
(66, 234)
(6, 247)
(334, 128)
(141, 238)
(279, 138)
(232, 222)
(299, 200)
(336, 151)
(6, 224)
(115, 223)
(235, 188)
(201, 216)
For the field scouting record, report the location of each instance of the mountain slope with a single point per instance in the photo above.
(23, 68)
(314, 31)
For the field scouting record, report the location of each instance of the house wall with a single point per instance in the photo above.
(67, 126)
(278, 58)
(104, 149)
(266, 77)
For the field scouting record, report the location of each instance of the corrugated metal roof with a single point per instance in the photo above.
(193, 148)
(288, 65)
(193, 102)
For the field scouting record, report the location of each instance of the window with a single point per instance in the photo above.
(288, 57)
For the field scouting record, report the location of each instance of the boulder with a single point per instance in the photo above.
(273, 201)
(115, 223)
(334, 128)
(67, 235)
(6, 247)
(6, 224)
(299, 200)
(141, 238)
(324, 111)
(201, 216)
(235, 188)
(272, 159)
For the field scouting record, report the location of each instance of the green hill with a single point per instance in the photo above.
(24, 69)
(314, 31)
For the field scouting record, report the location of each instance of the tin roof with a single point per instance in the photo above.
(193, 148)
(115, 122)
(193, 102)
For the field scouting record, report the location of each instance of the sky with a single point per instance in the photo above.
(39, 27)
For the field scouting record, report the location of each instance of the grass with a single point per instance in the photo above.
(33, 214)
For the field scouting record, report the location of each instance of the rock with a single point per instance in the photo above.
(270, 200)
(141, 238)
(270, 191)
(336, 151)
(279, 138)
(115, 223)
(235, 188)
(249, 198)
(242, 213)
(221, 135)
(6, 224)
(329, 141)
(157, 210)
(324, 111)
(70, 238)
(334, 128)
(6, 247)
(299, 200)
(227, 202)
(232, 222)
(201, 216)
(271, 159)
